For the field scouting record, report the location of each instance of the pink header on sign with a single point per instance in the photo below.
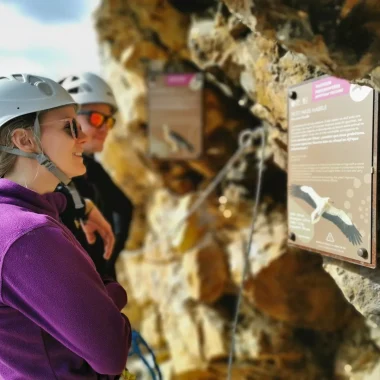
(330, 87)
(178, 79)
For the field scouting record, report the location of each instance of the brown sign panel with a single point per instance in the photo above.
(175, 106)
(332, 169)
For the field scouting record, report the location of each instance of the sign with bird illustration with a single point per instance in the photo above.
(332, 169)
(323, 208)
(175, 107)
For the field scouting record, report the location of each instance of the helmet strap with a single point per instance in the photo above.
(42, 158)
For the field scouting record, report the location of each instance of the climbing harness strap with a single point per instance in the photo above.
(138, 340)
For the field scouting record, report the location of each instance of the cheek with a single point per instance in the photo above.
(57, 146)
(101, 133)
(88, 130)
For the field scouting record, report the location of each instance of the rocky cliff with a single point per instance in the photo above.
(302, 317)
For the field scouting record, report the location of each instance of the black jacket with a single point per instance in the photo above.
(115, 206)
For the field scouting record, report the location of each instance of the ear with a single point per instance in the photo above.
(24, 140)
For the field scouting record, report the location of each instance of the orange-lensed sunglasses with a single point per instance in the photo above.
(97, 119)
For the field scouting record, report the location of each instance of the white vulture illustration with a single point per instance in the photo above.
(175, 140)
(323, 208)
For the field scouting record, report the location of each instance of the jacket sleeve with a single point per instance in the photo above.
(117, 293)
(53, 283)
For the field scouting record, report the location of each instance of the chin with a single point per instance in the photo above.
(78, 171)
(93, 148)
(82, 171)
(98, 147)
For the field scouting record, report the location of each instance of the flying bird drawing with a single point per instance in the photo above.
(323, 208)
(175, 140)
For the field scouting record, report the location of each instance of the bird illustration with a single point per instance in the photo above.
(323, 208)
(175, 140)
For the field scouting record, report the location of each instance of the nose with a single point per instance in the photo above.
(82, 138)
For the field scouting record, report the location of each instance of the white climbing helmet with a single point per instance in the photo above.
(88, 88)
(21, 94)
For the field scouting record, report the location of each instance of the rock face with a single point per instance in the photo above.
(359, 285)
(296, 322)
(305, 294)
(340, 36)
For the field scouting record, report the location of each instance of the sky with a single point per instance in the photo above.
(53, 38)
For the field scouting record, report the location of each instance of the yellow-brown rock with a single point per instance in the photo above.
(269, 242)
(295, 289)
(294, 321)
(151, 326)
(355, 364)
(145, 21)
(263, 68)
(215, 339)
(171, 230)
(344, 41)
(182, 336)
(206, 271)
(139, 187)
(137, 230)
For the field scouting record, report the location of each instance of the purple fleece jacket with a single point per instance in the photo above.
(57, 318)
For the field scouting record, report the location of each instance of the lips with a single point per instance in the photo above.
(77, 154)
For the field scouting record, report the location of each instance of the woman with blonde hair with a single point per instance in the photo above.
(58, 319)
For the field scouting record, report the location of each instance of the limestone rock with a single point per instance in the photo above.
(206, 272)
(359, 285)
(294, 323)
(137, 230)
(182, 336)
(275, 349)
(171, 232)
(268, 243)
(264, 69)
(214, 333)
(151, 23)
(344, 41)
(296, 289)
(357, 356)
(151, 327)
(139, 187)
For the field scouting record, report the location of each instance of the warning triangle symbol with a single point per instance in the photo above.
(330, 238)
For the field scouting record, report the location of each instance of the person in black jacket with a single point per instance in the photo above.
(96, 115)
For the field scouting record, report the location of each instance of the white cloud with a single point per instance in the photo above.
(54, 50)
